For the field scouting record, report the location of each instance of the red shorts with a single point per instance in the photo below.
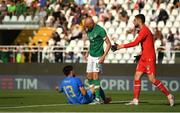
(146, 66)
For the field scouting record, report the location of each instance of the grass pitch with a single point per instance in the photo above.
(51, 101)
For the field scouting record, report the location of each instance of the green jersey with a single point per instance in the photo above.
(96, 37)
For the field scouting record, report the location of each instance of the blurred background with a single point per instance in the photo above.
(51, 31)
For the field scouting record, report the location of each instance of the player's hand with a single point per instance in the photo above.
(137, 58)
(114, 47)
(101, 60)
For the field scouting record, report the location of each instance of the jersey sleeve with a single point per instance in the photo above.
(102, 33)
(79, 82)
(142, 35)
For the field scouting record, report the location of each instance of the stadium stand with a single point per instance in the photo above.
(62, 22)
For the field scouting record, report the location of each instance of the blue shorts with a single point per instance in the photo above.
(88, 98)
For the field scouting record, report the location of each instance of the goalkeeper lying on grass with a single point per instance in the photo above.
(74, 90)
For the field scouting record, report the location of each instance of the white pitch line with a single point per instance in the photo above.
(51, 105)
(29, 106)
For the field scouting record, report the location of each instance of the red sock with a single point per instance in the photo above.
(137, 88)
(161, 87)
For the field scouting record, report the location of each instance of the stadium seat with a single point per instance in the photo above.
(164, 61)
(28, 19)
(110, 56)
(122, 24)
(118, 30)
(157, 43)
(154, 5)
(115, 37)
(114, 13)
(165, 30)
(63, 42)
(128, 11)
(73, 43)
(131, 18)
(168, 24)
(178, 18)
(59, 31)
(130, 37)
(176, 24)
(111, 1)
(171, 62)
(160, 24)
(130, 61)
(126, 56)
(175, 12)
(135, 12)
(153, 24)
(122, 37)
(69, 49)
(106, 1)
(107, 61)
(162, 6)
(130, 50)
(36, 20)
(115, 24)
(120, 1)
(114, 61)
(125, 6)
(76, 50)
(122, 61)
(107, 25)
(21, 19)
(172, 18)
(111, 30)
(138, 49)
(14, 19)
(143, 11)
(173, 29)
(132, 56)
(118, 56)
(6, 19)
(80, 43)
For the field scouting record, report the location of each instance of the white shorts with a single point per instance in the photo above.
(93, 65)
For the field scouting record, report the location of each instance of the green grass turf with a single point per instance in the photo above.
(150, 101)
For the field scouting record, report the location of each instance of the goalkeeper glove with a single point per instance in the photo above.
(114, 47)
(137, 58)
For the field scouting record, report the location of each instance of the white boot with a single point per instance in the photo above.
(133, 102)
(171, 99)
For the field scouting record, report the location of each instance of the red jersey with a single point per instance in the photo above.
(146, 39)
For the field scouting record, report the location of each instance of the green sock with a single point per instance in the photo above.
(97, 88)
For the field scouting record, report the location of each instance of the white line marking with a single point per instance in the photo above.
(29, 106)
(51, 105)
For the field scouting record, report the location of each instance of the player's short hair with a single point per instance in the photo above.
(141, 16)
(67, 69)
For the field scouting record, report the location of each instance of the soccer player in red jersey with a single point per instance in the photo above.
(147, 61)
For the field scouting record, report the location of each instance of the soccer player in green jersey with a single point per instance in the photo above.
(96, 54)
